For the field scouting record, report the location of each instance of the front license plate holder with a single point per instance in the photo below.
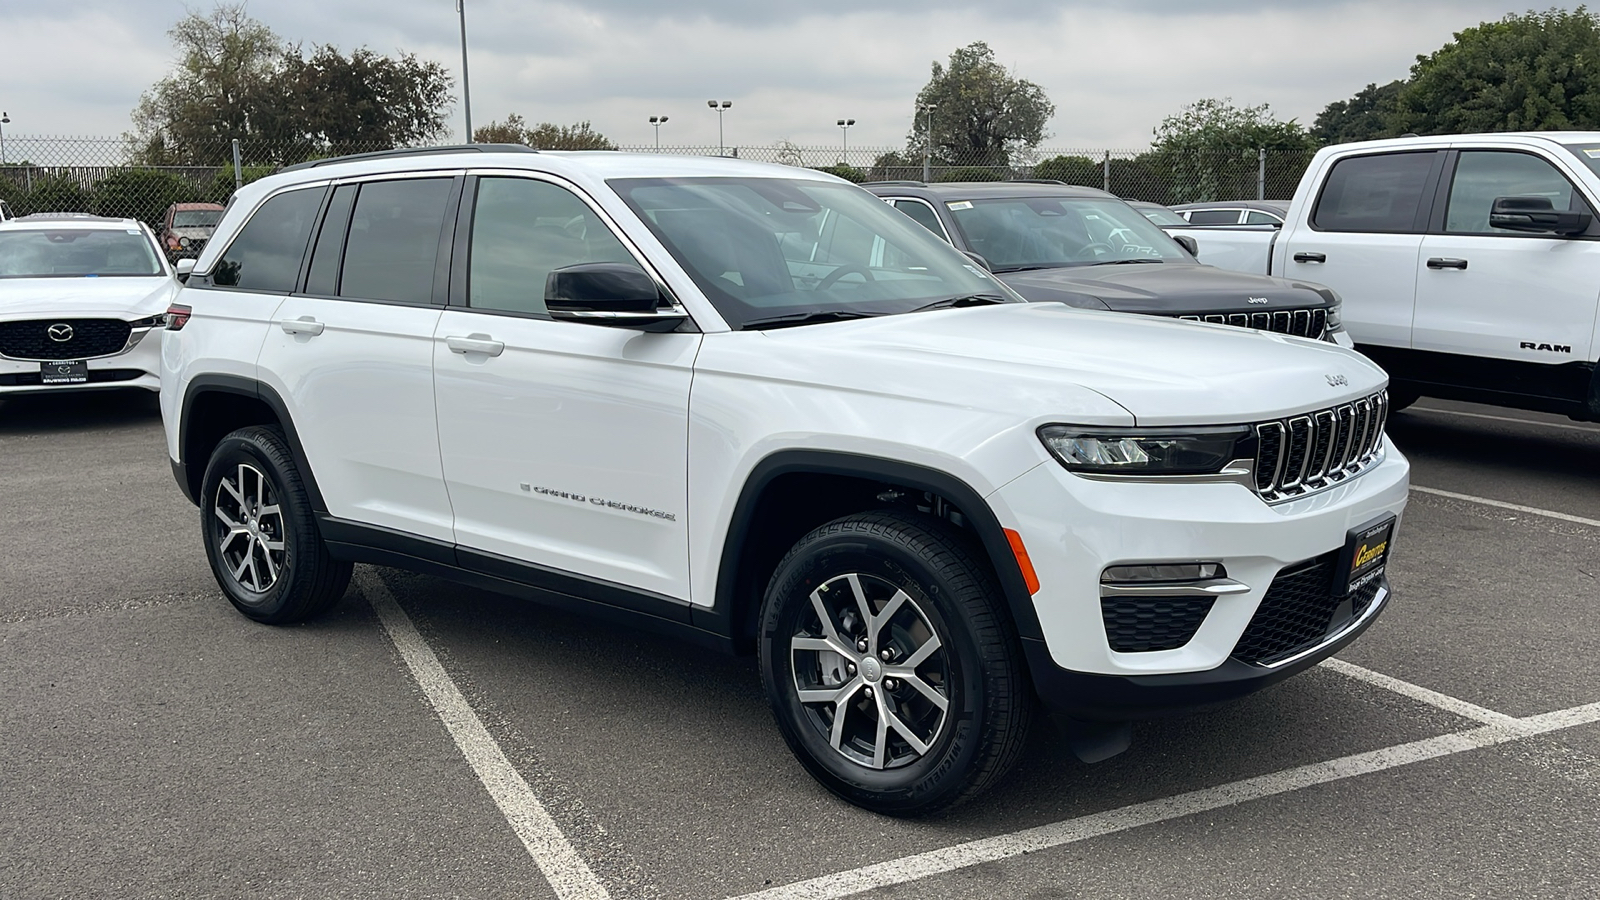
(1365, 556)
(64, 371)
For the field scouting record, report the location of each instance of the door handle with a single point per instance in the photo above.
(475, 343)
(1311, 257)
(1441, 263)
(302, 325)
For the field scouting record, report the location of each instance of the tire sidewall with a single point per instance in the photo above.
(939, 772)
(272, 604)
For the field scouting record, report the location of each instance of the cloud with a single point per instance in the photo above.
(1113, 71)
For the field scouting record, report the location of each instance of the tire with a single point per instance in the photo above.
(252, 498)
(925, 759)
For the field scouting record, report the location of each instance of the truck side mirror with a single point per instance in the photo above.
(1536, 215)
(1188, 243)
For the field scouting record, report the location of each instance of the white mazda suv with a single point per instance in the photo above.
(80, 297)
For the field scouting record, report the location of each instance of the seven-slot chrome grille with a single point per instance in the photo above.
(1311, 323)
(1312, 451)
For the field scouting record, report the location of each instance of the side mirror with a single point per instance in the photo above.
(983, 263)
(607, 294)
(184, 268)
(1188, 243)
(1536, 215)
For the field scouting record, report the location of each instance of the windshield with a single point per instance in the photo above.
(79, 253)
(1160, 215)
(1047, 232)
(196, 218)
(762, 248)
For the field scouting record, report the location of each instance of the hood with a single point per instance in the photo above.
(1166, 288)
(1039, 361)
(118, 297)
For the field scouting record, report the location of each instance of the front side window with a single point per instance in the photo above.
(1484, 175)
(522, 230)
(393, 242)
(1380, 193)
(763, 248)
(266, 254)
(1049, 232)
(76, 253)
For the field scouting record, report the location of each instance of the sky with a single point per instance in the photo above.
(792, 70)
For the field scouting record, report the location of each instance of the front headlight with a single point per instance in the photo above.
(157, 321)
(1335, 313)
(1149, 451)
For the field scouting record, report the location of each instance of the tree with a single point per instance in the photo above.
(1072, 170)
(1367, 116)
(236, 79)
(982, 114)
(543, 136)
(1211, 147)
(1538, 71)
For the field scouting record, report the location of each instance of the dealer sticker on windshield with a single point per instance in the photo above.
(960, 204)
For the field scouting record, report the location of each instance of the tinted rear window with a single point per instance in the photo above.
(1214, 217)
(1374, 193)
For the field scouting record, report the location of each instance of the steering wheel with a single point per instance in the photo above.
(1093, 250)
(833, 277)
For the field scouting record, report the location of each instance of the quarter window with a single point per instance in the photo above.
(394, 240)
(521, 231)
(266, 255)
(1255, 217)
(1483, 175)
(1379, 193)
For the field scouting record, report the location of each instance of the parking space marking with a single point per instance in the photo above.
(1473, 415)
(568, 874)
(1045, 837)
(1517, 507)
(1421, 694)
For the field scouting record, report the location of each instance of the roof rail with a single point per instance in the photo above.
(70, 217)
(899, 181)
(411, 151)
(1044, 181)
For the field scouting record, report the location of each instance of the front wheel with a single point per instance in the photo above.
(260, 535)
(890, 665)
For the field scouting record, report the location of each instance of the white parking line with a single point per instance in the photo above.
(1530, 510)
(1044, 837)
(1424, 695)
(1473, 415)
(566, 871)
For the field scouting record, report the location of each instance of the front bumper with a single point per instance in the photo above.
(1074, 528)
(139, 366)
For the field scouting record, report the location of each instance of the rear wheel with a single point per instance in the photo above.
(260, 535)
(890, 666)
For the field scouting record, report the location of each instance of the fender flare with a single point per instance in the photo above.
(723, 616)
(243, 387)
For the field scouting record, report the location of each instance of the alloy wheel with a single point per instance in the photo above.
(250, 529)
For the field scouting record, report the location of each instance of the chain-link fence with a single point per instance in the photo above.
(103, 176)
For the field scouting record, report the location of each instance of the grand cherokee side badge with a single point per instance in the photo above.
(1337, 380)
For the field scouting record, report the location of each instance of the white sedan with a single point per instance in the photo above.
(79, 296)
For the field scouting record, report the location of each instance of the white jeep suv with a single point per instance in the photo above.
(755, 407)
(79, 295)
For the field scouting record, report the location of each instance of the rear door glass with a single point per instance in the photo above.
(1380, 193)
(394, 240)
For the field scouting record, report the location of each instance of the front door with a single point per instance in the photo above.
(564, 443)
(1487, 293)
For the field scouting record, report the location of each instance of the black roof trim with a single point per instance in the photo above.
(411, 151)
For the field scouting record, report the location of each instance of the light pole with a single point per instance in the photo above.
(844, 130)
(721, 106)
(658, 121)
(466, 87)
(4, 121)
(927, 142)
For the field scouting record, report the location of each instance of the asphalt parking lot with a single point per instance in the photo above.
(427, 740)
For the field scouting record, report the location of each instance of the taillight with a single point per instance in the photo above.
(178, 316)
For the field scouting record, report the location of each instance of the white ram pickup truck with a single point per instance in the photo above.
(1469, 265)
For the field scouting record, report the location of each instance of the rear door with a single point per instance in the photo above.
(352, 354)
(1505, 295)
(1364, 239)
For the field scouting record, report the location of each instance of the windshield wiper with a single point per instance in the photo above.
(805, 318)
(1001, 270)
(964, 300)
(1130, 262)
